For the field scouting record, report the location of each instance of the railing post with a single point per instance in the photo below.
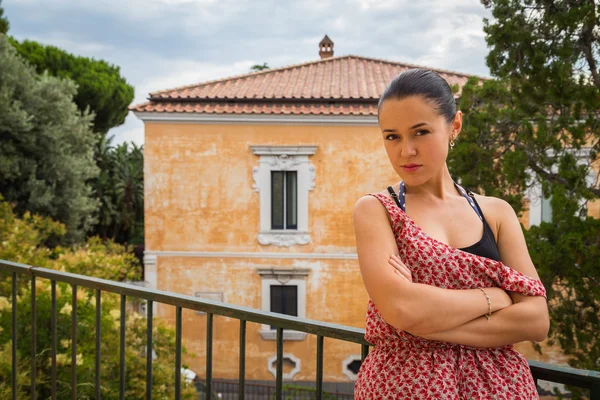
(178, 354)
(279, 376)
(209, 336)
(14, 336)
(98, 333)
(242, 374)
(33, 340)
(122, 349)
(595, 392)
(149, 350)
(319, 388)
(54, 339)
(74, 343)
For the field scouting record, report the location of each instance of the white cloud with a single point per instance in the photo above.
(161, 44)
(82, 48)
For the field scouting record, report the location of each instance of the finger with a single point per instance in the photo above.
(399, 262)
(401, 270)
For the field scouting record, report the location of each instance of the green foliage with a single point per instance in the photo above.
(46, 146)
(119, 190)
(22, 240)
(296, 391)
(100, 86)
(258, 67)
(4, 24)
(529, 125)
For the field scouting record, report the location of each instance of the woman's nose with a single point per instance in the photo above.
(408, 149)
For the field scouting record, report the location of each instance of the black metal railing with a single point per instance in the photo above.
(570, 376)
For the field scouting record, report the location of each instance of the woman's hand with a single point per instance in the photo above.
(400, 268)
(499, 298)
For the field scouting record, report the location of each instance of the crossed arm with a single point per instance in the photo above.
(456, 316)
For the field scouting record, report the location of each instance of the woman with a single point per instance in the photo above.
(450, 280)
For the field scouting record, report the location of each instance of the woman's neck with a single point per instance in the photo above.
(439, 187)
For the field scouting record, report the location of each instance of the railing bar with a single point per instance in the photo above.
(33, 340)
(178, 354)
(98, 333)
(565, 375)
(242, 374)
(364, 352)
(209, 348)
(149, 351)
(320, 342)
(53, 339)
(279, 376)
(582, 378)
(334, 331)
(74, 343)
(122, 349)
(14, 336)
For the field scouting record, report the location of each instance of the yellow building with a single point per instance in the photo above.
(250, 184)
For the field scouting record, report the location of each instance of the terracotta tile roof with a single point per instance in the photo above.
(347, 85)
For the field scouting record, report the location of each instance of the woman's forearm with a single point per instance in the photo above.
(520, 322)
(427, 309)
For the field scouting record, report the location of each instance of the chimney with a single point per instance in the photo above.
(326, 48)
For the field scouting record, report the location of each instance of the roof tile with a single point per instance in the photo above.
(353, 85)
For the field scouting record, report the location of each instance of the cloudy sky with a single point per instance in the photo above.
(159, 44)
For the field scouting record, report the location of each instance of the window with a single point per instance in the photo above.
(284, 292)
(291, 365)
(283, 179)
(284, 200)
(284, 300)
(540, 209)
(351, 365)
(546, 209)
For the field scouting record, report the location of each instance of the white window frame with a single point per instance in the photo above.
(347, 361)
(273, 369)
(279, 277)
(534, 192)
(283, 158)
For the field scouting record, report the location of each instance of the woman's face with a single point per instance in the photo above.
(416, 137)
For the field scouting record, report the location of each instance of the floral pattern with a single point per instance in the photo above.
(403, 366)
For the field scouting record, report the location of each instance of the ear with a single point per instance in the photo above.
(456, 124)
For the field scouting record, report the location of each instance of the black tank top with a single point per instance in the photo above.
(486, 246)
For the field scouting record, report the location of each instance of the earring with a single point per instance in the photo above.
(451, 143)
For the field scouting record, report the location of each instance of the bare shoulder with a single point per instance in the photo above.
(368, 205)
(496, 211)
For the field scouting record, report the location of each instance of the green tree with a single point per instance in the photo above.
(100, 86)
(536, 122)
(258, 67)
(22, 239)
(46, 145)
(120, 191)
(4, 25)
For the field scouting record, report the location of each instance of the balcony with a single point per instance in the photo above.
(240, 389)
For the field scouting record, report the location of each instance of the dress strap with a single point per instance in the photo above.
(400, 198)
(395, 197)
(471, 199)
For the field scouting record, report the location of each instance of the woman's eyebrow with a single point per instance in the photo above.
(412, 127)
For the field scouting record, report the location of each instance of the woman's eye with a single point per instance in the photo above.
(392, 136)
(422, 132)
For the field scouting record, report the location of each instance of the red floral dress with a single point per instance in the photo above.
(402, 366)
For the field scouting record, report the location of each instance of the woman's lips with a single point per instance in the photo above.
(411, 167)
